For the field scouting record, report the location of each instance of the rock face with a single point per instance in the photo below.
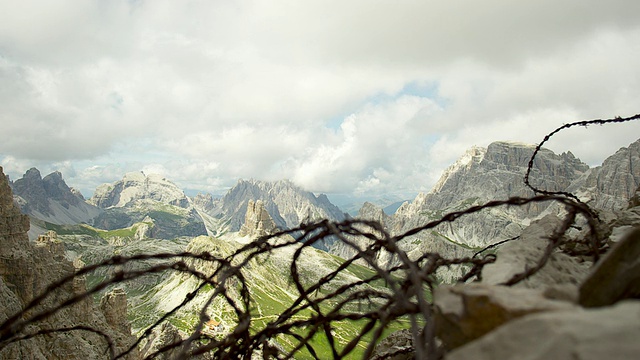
(610, 186)
(397, 346)
(51, 200)
(621, 263)
(467, 312)
(114, 307)
(150, 199)
(26, 270)
(603, 321)
(568, 310)
(138, 186)
(257, 221)
(165, 335)
(524, 252)
(483, 175)
(602, 333)
(287, 204)
(497, 172)
(204, 202)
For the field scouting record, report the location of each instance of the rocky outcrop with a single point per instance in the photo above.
(602, 333)
(51, 200)
(26, 270)
(622, 263)
(138, 186)
(568, 310)
(601, 322)
(257, 221)
(152, 200)
(482, 175)
(368, 211)
(611, 185)
(114, 307)
(525, 251)
(396, 346)
(467, 312)
(163, 336)
(287, 204)
(205, 202)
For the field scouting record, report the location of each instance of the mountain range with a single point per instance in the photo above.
(496, 172)
(143, 214)
(478, 176)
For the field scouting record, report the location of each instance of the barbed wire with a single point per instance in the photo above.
(312, 312)
(584, 123)
(405, 298)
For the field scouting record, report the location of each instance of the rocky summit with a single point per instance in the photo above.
(287, 204)
(496, 173)
(51, 200)
(137, 186)
(149, 199)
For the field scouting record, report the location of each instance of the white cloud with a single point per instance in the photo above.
(317, 91)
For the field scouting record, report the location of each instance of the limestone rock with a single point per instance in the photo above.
(596, 334)
(517, 255)
(611, 185)
(138, 186)
(625, 222)
(616, 276)
(257, 221)
(635, 199)
(397, 346)
(204, 202)
(165, 335)
(26, 269)
(51, 200)
(466, 312)
(114, 307)
(288, 204)
(50, 242)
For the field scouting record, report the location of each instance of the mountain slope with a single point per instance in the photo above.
(609, 186)
(149, 199)
(268, 279)
(285, 202)
(497, 172)
(51, 200)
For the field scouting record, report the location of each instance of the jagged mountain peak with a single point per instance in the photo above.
(51, 200)
(257, 221)
(371, 211)
(472, 156)
(287, 204)
(497, 172)
(610, 185)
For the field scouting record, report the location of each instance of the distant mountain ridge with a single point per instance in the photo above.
(164, 208)
(287, 204)
(151, 199)
(496, 172)
(138, 186)
(480, 175)
(50, 199)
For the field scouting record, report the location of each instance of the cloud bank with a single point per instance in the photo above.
(340, 96)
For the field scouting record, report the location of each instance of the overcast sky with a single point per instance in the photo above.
(349, 96)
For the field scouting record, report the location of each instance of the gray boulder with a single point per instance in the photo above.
(595, 334)
(466, 312)
(616, 276)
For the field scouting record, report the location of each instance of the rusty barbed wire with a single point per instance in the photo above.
(584, 123)
(312, 312)
(406, 286)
